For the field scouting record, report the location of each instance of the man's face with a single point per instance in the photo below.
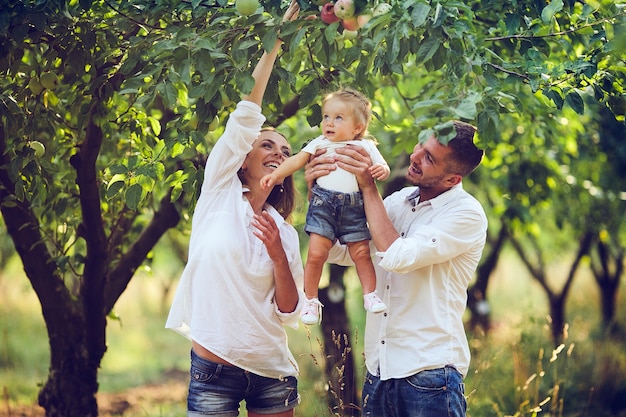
(429, 168)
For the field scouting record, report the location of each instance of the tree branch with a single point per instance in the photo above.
(506, 71)
(23, 227)
(554, 34)
(165, 218)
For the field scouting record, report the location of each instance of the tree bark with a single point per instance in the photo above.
(75, 317)
(342, 394)
(556, 299)
(607, 272)
(480, 313)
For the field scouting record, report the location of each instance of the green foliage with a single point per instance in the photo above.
(152, 75)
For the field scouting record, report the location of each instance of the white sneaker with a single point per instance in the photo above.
(373, 303)
(311, 311)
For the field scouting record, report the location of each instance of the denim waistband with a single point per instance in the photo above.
(329, 195)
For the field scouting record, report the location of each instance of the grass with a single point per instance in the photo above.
(515, 371)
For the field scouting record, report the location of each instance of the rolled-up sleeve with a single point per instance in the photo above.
(434, 243)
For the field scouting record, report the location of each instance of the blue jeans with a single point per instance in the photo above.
(432, 393)
(217, 390)
(337, 215)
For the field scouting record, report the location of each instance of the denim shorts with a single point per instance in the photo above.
(433, 393)
(217, 390)
(337, 215)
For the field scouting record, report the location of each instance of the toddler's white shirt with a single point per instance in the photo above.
(340, 179)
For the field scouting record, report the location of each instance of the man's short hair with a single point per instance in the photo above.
(465, 155)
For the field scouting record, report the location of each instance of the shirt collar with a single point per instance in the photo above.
(268, 207)
(439, 201)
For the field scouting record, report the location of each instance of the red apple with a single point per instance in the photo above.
(364, 18)
(344, 9)
(328, 14)
(350, 23)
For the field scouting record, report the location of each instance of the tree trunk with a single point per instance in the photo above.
(72, 384)
(342, 393)
(480, 317)
(557, 299)
(557, 317)
(607, 275)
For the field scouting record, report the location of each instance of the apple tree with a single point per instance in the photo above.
(107, 109)
(104, 111)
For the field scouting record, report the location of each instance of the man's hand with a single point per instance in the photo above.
(356, 160)
(318, 166)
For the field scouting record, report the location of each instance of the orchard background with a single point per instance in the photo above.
(109, 108)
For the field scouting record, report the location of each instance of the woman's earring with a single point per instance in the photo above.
(281, 189)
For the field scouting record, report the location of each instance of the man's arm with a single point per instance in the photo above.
(355, 159)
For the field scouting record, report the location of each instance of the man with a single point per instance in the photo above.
(428, 240)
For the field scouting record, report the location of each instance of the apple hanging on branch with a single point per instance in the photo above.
(327, 15)
(353, 14)
(381, 9)
(350, 23)
(344, 9)
(246, 7)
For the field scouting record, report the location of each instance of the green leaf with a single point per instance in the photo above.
(420, 14)
(575, 101)
(155, 125)
(330, 33)
(133, 196)
(244, 81)
(550, 10)
(269, 40)
(113, 189)
(466, 110)
(308, 95)
(169, 93)
(428, 48)
(556, 96)
(512, 22)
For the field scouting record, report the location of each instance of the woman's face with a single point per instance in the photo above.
(268, 151)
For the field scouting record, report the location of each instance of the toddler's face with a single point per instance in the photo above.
(338, 121)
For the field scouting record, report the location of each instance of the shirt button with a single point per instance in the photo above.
(402, 234)
(413, 209)
(385, 314)
(382, 342)
(434, 240)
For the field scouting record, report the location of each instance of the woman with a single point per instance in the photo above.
(243, 278)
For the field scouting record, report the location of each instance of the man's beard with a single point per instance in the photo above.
(429, 182)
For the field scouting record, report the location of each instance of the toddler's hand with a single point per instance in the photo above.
(267, 182)
(379, 171)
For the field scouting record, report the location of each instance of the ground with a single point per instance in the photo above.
(129, 402)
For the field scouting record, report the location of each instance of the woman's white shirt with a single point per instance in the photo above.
(225, 298)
